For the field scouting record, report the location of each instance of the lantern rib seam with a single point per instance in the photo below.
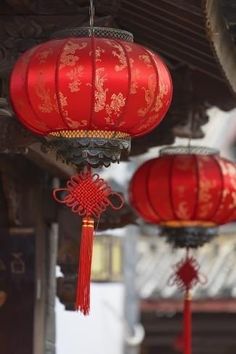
(154, 97)
(234, 209)
(28, 96)
(57, 85)
(222, 193)
(170, 177)
(227, 217)
(147, 192)
(93, 51)
(195, 210)
(119, 120)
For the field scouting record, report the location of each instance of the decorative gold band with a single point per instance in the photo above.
(188, 296)
(88, 222)
(188, 223)
(89, 134)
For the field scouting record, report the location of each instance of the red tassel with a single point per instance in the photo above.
(187, 324)
(82, 303)
(186, 276)
(88, 196)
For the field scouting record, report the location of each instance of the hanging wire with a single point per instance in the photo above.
(190, 119)
(188, 79)
(91, 17)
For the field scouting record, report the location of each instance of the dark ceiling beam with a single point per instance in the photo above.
(173, 32)
(165, 48)
(170, 19)
(172, 36)
(223, 46)
(189, 5)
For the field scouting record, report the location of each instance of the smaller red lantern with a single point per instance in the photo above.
(192, 190)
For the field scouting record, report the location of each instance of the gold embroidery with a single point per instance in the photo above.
(157, 107)
(117, 102)
(74, 75)
(182, 211)
(68, 57)
(120, 54)
(98, 53)
(205, 197)
(100, 92)
(63, 100)
(44, 55)
(149, 95)
(135, 75)
(128, 47)
(63, 103)
(146, 59)
(46, 105)
(159, 100)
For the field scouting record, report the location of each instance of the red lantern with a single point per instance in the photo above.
(91, 87)
(186, 191)
(89, 94)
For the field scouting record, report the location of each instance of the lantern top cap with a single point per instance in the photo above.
(189, 150)
(98, 32)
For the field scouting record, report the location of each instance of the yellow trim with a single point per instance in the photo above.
(188, 296)
(89, 134)
(188, 223)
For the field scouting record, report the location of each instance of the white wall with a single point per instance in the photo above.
(99, 333)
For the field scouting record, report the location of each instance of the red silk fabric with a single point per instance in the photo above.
(90, 84)
(185, 188)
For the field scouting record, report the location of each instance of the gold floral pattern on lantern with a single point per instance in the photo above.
(149, 95)
(146, 59)
(75, 75)
(68, 57)
(70, 122)
(183, 211)
(135, 76)
(43, 56)
(120, 54)
(117, 102)
(100, 91)
(206, 188)
(46, 105)
(98, 53)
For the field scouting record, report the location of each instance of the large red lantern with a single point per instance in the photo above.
(188, 192)
(88, 93)
(87, 87)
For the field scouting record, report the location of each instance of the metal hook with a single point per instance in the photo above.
(91, 18)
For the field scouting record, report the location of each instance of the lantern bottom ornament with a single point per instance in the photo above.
(193, 237)
(96, 148)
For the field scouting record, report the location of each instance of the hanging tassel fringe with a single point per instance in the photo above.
(82, 303)
(88, 196)
(186, 276)
(187, 324)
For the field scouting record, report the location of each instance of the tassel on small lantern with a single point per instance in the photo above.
(88, 196)
(186, 276)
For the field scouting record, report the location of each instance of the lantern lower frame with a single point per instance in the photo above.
(190, 237)
(96, 152)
